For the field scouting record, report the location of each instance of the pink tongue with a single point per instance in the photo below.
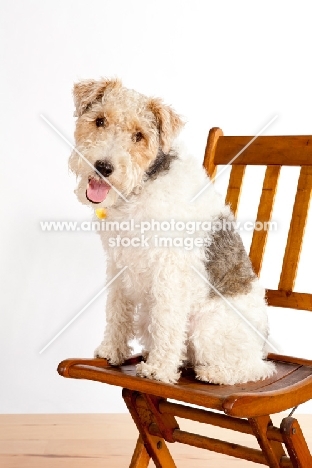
(97, 190)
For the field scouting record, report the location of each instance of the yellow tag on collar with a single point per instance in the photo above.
(101, 213)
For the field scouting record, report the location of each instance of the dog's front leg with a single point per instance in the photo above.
(169, 310)
(119, 327)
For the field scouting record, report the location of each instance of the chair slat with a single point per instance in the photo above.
(209, 164)
(296, 230)
(288, 299)
(265, 208)
(265, 150)
(235, 187)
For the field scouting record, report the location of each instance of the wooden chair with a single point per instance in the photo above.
(246, 408)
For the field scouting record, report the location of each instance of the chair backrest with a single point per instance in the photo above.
(273, 152)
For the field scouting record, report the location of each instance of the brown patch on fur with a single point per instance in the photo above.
(228, 265)
(111, 114)
(161, 164)
(144, 150)
(86, 132)
(141, 153)
(87, 92)
(168, 122)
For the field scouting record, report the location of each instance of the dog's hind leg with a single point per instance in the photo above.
(226, 350)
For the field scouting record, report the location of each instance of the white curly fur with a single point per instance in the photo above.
(160, 299)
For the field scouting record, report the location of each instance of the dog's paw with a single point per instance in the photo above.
(216, 375)
(236, 375)
(206, 374)
(114, 355)
(161, 373)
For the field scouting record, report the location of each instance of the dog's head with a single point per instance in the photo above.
(118, 135)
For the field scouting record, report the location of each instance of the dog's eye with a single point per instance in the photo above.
(138, 136)
(100, 122)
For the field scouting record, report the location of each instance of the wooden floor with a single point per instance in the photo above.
(104, 441)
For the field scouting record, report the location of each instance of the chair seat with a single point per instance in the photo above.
(277, 393)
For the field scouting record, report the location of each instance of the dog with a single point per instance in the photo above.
(193, 303)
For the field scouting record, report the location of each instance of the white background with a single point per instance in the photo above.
(228, 64)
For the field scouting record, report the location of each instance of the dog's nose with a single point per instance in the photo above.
(104, 167)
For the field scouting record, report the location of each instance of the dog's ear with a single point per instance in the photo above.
(87, 92)
(169, 123)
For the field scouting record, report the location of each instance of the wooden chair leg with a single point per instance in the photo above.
(143, 418)
(295, 443)
(140, 457)
(272, 450)
(166, 422)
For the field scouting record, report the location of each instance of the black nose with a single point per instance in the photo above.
(104, 167)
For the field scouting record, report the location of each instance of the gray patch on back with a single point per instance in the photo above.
(227, 263)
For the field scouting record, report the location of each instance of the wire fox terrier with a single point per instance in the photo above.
(178, 298)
